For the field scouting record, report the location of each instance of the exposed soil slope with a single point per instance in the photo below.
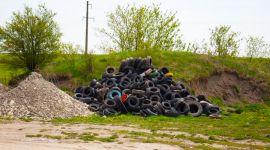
(231, 86)
(38, 98)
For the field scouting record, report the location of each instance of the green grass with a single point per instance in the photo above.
(27, 119)
(185, 66)
(252, 123)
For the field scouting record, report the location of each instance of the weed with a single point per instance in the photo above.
(30, 135)
(43, 130)
(237, 88)
(52, 137)
(218, 100)
(211, 137)
(120, 142)
(28, 119)
(70, 135)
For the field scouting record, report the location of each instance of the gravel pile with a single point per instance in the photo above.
(40, 99)
(3, 89)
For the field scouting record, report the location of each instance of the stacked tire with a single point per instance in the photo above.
(132, 90)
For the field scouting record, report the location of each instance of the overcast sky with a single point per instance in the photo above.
(250, 17)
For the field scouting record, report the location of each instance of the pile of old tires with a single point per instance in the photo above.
(141, 89)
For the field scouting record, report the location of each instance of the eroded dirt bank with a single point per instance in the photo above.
(231, 86)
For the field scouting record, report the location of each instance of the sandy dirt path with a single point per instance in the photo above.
(13, 137)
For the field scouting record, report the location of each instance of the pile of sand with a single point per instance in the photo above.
(40, 99)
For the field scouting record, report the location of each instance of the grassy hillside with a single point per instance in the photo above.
(185, 66)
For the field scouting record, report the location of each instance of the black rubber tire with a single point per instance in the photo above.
(158, 110)
(173, 101)
(143, 85)
(163, 70)
(127, 79)
(130, 62)
(168, 96)
(161, 80)
(155, 98)
(120, 105)
(121, 68)
(162, 89)
(133, 109)
(79, 89)
(78, 96)
(88, 92)
(135, 85)
(133, 62)
(138, 78)
(161, 107)
(166, 105)
(181, 84)
(129, 68)
(176, 95)
(181, 107)
(86, 100)
(138, 92)
(110, 83)
(109, 111)
(128, 73)
(124, 84)
(106, 75)
(154, 90)
(149, 84)
(147, 106)
(94, 107)
(118, 75)
(132, 101)
(147, 101)
(143, 62)
(126, 91)
(184, 93)
(92, 83)
(150, 112)
(137, 63)
(102, 80)
(171, 113)
(195, 108)
(148, 60)
(110, 70)
(154, 80)
(109, 103)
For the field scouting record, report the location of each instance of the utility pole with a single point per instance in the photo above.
(86, 35)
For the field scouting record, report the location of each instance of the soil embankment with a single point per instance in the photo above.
(231, 86)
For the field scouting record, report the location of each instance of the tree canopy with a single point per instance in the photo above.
(32, 38)
(143, 28)
(223, 42)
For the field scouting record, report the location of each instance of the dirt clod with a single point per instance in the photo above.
(40, 99)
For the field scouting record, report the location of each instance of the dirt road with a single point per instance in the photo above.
(17, 135)
(13, 137)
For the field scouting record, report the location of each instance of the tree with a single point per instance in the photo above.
(70, 52)
(256, 47)
(143, 28)
(31, 38)
(223, 42)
